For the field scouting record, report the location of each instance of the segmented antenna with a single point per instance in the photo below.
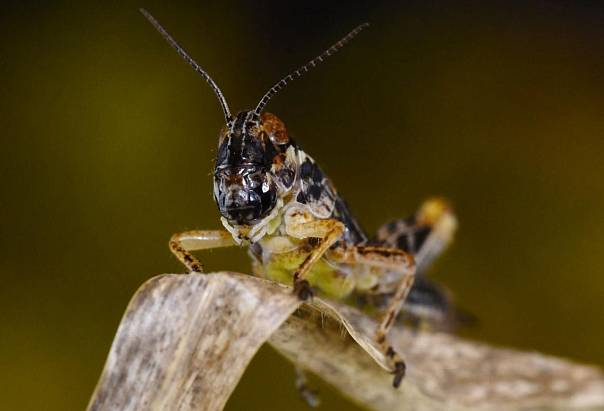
(305, 68)
(225, 107)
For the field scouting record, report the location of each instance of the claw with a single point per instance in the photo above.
(303, 290)
(197, 269)
(311, 399)
(307, 394)
(399, 373)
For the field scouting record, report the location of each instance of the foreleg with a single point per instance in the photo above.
(181, 245)
(326, 232)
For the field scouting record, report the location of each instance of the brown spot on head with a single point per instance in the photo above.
(274, 128)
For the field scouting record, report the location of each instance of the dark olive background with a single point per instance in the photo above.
(108, 139)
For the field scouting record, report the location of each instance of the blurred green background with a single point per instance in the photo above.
(108, 139)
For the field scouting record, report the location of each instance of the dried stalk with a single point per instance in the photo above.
(185, 341)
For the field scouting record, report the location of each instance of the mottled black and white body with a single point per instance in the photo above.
(275, 199)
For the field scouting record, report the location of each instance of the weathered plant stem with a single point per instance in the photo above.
(185, 341)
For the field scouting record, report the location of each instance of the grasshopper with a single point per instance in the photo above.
(275, 199)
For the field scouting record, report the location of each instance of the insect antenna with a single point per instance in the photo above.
(305, 68)
(225, 107)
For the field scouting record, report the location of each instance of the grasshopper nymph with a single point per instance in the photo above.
(274, 199)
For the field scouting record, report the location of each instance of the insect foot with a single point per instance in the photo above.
(303, 290)
(395, 361)
(306, 393)
(399, 373)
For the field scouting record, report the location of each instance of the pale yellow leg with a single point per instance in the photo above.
(327, 232)
(391, 259)
(181, 244)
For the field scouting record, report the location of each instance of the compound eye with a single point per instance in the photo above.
(222, 135)
(222, 155)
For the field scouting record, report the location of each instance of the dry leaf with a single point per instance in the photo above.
(185, 341)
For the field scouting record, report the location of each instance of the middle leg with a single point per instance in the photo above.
(181, 245)
(390, 259)
(306, 393)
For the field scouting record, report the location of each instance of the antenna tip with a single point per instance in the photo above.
(145, 13)
(362, 26)
(154, 23)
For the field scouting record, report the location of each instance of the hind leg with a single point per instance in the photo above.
(425, 234)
